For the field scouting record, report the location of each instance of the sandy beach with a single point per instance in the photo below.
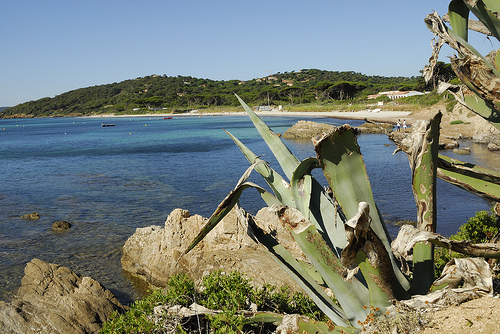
(381, 116)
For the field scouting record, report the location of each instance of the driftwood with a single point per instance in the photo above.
(408, 236)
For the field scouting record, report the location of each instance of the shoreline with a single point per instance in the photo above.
(381, 116)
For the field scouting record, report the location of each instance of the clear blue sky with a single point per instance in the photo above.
(49, 47)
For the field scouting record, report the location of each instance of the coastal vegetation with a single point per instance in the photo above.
(230, 293)
(340, 229)
(295, 89)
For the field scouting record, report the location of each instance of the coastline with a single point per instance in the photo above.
(381, 116)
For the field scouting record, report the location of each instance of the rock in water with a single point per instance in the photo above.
(61, 225)
(53, 299)
(307, 129)
(31, 216)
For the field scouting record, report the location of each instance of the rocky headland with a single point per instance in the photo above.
(154, 253)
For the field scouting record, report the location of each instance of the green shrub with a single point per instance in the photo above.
(220, 291)
(478, 229)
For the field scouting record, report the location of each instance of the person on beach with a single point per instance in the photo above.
(404, 125)
(398, 125)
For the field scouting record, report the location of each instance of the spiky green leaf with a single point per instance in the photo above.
(290, 265)
(328, 216)
(485, 15)
(482, 109)
(286, 159)
(344, 169)
(475, 179)
(352, 295)
(371, 275)
(458, 13)
(280, 187)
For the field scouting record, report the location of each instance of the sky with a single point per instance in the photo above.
(50, 47)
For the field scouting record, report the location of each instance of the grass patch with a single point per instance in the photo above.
(458, 121)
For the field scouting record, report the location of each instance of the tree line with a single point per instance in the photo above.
(186, 92)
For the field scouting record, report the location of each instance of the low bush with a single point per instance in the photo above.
(219, 291)
(478, 229)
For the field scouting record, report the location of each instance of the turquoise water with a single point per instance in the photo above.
(108, 181)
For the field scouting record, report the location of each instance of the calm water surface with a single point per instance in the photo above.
(108, 181)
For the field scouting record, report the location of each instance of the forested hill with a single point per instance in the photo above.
(155, 92)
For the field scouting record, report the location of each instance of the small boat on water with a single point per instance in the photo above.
(105, 125)
(170, 117)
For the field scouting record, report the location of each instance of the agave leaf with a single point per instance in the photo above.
(328, 216)
(290, 265)
(312, 202)
(472, 50)
(286, 159)
(492, 5)
(486, 17)
(306, 325)
(301, 184)
(371, 274)
(423, 162)
(423, 268)
(475, 179)
(480, 107)
(226, 205)
(437, 26)
(458, 13)
(280, 187)
(352, 295)
(343, 167)
(497, 60)
(382, 282)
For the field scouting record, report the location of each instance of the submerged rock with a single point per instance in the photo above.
(61, 225)
(31, 216)
(53, 299)
(463, 150)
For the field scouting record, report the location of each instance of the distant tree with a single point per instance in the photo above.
(442, 72)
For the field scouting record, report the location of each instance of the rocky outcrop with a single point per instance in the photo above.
(307, 129)
(494, 145)
(375, 128)
(53, 299)
(154, 253)
(31, 216)
(445, 142)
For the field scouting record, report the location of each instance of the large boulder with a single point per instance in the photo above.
(154, 253)
(53, 299)
(375, 128)
(307, 129)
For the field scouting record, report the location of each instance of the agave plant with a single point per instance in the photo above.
(479, 74)
(342, 230)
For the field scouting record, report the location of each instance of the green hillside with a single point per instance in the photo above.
(181, 93)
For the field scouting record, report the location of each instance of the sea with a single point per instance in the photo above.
(109, 181)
